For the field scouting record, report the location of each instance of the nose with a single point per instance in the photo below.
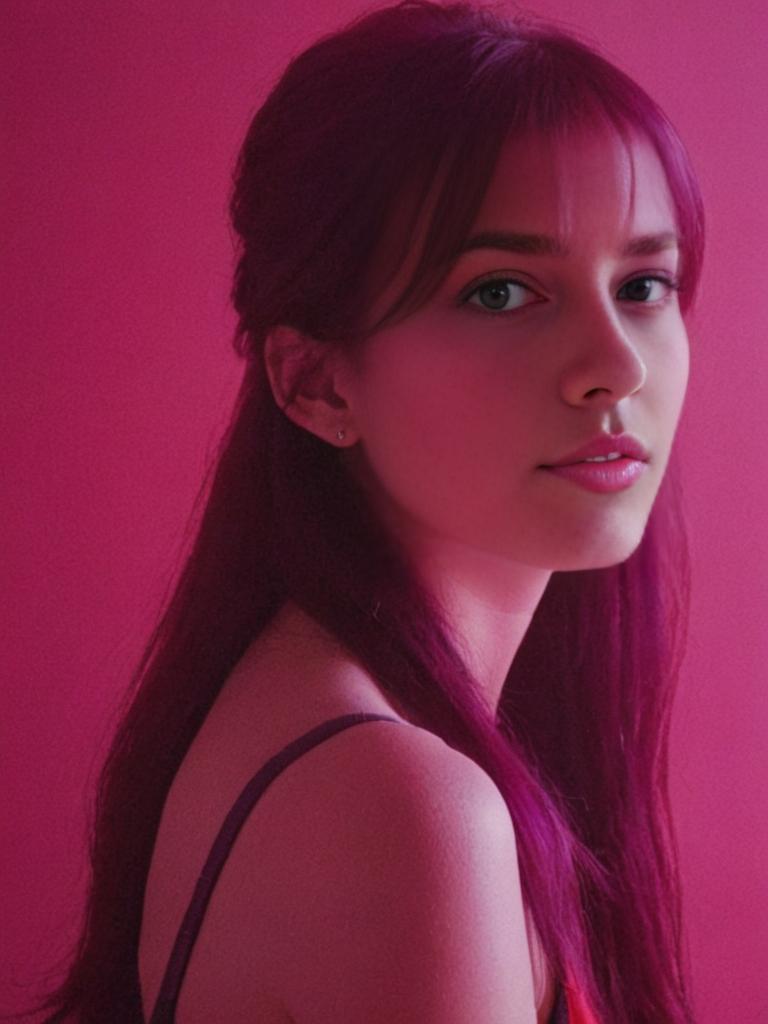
(606, 363)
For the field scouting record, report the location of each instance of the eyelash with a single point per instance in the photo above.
(672, 283)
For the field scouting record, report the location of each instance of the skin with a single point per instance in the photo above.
(450, 413)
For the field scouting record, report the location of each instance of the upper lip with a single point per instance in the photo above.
(606, 444)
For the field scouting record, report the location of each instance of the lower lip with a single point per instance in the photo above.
(603, 477)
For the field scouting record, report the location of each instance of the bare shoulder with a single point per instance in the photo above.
(401, 897)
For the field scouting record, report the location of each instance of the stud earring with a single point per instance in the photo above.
(340, 434)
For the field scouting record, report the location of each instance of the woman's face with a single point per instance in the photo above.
(460, 405)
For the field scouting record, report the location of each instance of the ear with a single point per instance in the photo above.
(321, 401)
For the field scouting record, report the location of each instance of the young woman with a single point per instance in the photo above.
(397, 750)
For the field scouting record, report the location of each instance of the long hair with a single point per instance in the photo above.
(405, 96)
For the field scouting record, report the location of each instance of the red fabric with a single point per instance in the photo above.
(579, 1010)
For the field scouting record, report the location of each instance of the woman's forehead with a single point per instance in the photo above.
(555, 183)
(563, 185)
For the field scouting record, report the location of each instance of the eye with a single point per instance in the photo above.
(496, 292)
(640, 293)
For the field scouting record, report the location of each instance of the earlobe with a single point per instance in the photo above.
(303, 375)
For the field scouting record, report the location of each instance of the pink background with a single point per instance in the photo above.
(124, 120)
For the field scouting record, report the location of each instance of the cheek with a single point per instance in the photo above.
(670, 376)
(663, 395)
(417, 408)
(431, 393)
(443, 429)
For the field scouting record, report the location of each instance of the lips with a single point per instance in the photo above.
(627, 445)
(603, 477)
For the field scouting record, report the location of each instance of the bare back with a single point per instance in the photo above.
(244, 965)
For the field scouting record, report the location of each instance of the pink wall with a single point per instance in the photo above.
(124, 121)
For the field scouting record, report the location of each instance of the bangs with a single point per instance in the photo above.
(432, 215)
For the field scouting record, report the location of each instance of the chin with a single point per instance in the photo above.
(592, 544)
(602, 551)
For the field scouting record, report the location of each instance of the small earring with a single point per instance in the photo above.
(340, 434)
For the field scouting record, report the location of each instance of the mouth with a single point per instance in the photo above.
(601, 477)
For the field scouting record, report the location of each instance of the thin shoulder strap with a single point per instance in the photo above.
(165, 1006)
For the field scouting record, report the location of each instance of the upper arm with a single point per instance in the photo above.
(405, 903)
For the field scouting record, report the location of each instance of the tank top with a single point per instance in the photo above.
(569, 1006)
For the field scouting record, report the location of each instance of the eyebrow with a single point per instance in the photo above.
(546, 245)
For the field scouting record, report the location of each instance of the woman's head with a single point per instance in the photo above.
(361, 181)
(518, 359)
